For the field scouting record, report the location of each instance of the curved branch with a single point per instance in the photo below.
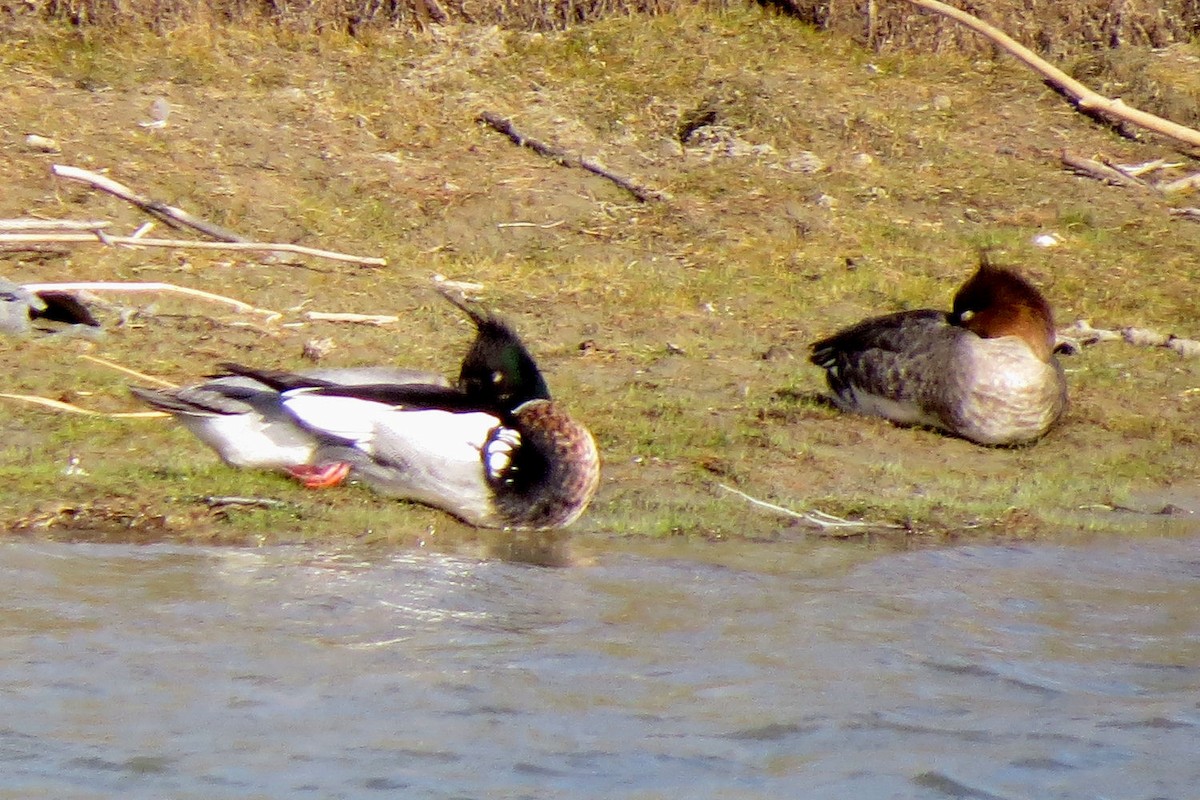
(1085, 98)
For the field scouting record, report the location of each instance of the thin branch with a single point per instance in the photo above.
(567, 159)
(815, 518)
(171, 288)
(1081, 333)
(1138, 170)
(1189, 184)
(369, 319)
(74, 409)
(1101, 171)
(133, 373)
(223, 501)
(1086, 99)
(27, 225)
(175, 217)
(134, 241)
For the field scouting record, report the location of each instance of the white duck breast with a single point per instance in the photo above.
(1013, 395)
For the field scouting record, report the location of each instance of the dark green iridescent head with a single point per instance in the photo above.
(498, 370)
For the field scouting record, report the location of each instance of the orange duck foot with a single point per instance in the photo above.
(320, 477)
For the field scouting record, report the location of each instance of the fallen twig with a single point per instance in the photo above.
(1084, 98)
(530, 224)
(461, 286)
(1185, 213)
(175, 217)
(102, 286)
(74, 409)
(1082, 333)
(1101, 171)
(369, 319)
(27, 225)
(1189, 184)
(1138, 170)
(818, 519)
(566, 159)
(221, 501)
(133, 373)
(99, 237)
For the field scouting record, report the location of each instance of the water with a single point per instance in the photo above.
(726, 671)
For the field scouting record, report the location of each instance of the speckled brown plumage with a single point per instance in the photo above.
(555, 472)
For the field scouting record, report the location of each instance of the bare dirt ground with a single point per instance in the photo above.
(820, 183)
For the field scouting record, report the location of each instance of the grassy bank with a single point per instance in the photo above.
(830, 183)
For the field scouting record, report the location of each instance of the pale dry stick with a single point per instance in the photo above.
(1082, 333)
(135, 241)
(1119, 175)
(462, 286)
(1189, 184)
(1085, 99)
(221, 501)
(1138, 170)
(369, 319)
(101, 286)
(529, 224)
(28, 225)
(174, 217)
(1101, 171)
(74, 409)
(1108, 162)
(133, 373)
(816, 518)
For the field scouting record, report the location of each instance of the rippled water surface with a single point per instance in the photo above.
(804, 671)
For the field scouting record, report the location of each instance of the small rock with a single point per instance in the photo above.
(776, 352)
(43, 144)
(806, 163)
(316, 349)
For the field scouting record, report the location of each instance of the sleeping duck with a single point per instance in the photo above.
(493, 448)
(986, 371)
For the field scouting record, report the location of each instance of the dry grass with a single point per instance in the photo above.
(1049, 26)
(345, 16)
(1054, 28)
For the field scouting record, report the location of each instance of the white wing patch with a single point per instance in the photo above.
(498, 451)
(345, 417)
